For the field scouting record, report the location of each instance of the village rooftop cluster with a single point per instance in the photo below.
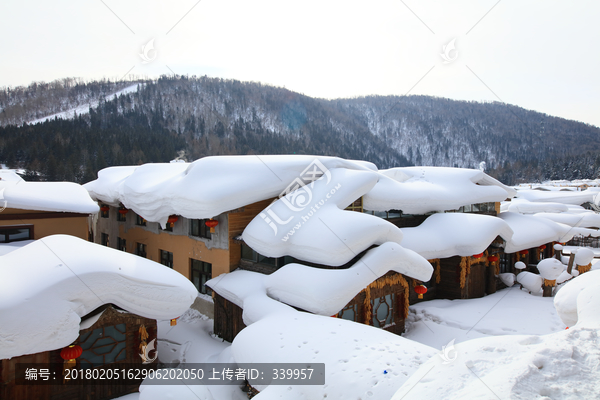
(293, 259)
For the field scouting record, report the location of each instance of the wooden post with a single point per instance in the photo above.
(557, 254)
(571, 260)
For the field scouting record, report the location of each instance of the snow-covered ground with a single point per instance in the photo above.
(511, 311)
(433, 323)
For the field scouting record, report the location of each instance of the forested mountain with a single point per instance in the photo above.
(157, 120)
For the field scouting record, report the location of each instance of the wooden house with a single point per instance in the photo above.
(109, 338)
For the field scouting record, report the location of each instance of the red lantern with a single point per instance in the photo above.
(212, 223)
(420, 290)
(123, 211)
(478, 255)
(172, 219)
(543, 247)
(524, 252)
(493, 259)
(71, 352)
(104, 208)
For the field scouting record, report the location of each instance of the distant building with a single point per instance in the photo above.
(33, 210)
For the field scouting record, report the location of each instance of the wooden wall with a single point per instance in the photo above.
(228, 318)
(238, 220)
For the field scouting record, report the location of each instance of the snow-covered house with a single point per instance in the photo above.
(67, 303)
(33, 210)
(254, 235)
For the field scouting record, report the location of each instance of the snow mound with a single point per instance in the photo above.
(209, 186)
(454, 234)
(360, 360)
(47, 286)
(550, 268)
(584, 256)
(565, 300)
(558, 196)
(45, 196)
(520, 265)
(558, 366)
(530, 281)
(311, 225)
(418, 190)
(508, 279)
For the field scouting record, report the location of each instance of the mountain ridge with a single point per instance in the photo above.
(211, 116)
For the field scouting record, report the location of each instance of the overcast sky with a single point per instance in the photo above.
(537, 54)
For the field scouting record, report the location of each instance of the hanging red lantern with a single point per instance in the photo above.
(71, 352)
(172, 219)
(524, 252)
(478, 255)
(212, 223)
(123, 211)
(104, 208)
(543, 247)
(493, 259)
(420, 290)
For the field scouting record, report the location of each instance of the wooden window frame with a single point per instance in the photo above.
(7, 227)
(199, 266)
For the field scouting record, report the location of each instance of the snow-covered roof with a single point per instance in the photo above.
(321, 291)
(455, 234)
(44, 196)
(585, 220)
(558, 196)
(530, 231)
(209, 186)
(418, 190)
(312, 225)
(47, 286)
(531, 207)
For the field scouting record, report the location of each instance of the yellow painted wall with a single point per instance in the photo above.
(183, 248)
(53, 225)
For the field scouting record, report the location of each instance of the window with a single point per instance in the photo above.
(16, 233)
(121, 244)
(249, 254)
(505, 263)
(139, 220)
(122, 215)
(104, 210)
(350, 312)
(103, 346)
(200, 273)
(104, 239)
(140, 249)
(198, 228)
(166, 258)
(356, 206)
(383, 310)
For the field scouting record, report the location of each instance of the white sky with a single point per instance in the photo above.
(538, 54)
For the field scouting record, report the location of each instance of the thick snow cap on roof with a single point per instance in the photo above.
(557, 196)
(585, 219)
(454, 234)
(47, 286)
(530, 231)
(44, 196)
(327, 291)
(209, 186)
(321, 291)
(531, 207)
(312, 225)
(418, 190)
